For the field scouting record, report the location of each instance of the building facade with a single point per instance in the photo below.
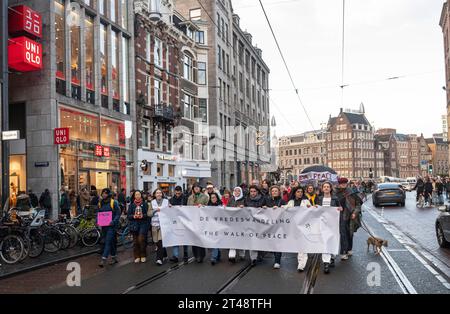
(445, 25)
(171, 67)
(350, 145)
(297, 152)
(85, 86)
(238, 108)
(439, 155)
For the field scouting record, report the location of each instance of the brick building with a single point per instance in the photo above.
(439, 152)
(298, 152)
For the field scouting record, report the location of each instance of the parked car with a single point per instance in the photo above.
(389, 193)
(443, 227)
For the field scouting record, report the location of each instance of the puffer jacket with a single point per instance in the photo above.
(257, 202)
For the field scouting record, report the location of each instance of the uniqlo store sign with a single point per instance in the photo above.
(23, 19)
(24, 53)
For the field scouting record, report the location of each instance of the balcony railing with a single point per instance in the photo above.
(163, 113)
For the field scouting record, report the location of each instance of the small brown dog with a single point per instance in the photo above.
(377, 244)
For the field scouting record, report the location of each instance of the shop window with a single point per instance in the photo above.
(60, 44)
(17, 175)
(171, 171)
(89, 62)
(112, 133)
(115, 68)
(160, 170)
(104, 60)
(82, 126)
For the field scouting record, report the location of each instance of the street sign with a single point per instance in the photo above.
(43, 164)
(10, 135)
(62, 136)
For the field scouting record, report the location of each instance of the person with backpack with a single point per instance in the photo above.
(105, 205)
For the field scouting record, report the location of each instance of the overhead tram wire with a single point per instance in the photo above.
(343, 54)
(287, 67)
(236, 51)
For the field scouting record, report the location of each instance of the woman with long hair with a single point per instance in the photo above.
(156, 205)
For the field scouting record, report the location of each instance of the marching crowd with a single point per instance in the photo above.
(142, 210)
(433, 189)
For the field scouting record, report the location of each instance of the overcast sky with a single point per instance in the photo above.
(384, 38)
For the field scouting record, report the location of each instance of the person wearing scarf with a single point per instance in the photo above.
(198, 198)
(157, 204)
(214, 200)
(276, 201)
(226, 197)
(138, 224)
(237, 200)
(312, 197)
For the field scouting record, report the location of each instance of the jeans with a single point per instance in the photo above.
(215, 255)
(277, 257)
(176, 251)
(110, 246)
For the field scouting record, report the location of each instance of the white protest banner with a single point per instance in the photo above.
(318, 176)
(293, 230)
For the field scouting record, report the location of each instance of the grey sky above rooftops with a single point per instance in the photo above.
(384, 39)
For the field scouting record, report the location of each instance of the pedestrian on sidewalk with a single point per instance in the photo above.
(276, 202)
(197, 198)
(108, 204)
(327, 199)
(299, 200)
(33, 199)
(179, 200)
(65, 203)
(45, 202)
(158, 204)
(214, 200)
(138, 224)
(236, 201)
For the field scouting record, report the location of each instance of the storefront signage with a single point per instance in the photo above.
(98, 150)
(106, 152)
(62, 136)
(169, 158)
(10, 135)
(24, 19)
(44, 164)
(25, 55)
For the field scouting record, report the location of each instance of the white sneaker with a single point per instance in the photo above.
(137, 260)
(276, 266)
(350, 253)
(344, 257)
(143, 260)
(159, 262)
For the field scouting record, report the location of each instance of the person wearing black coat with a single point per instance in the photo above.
(45, 202)
(428, 190)
(179, 199)
(255, 199)
(275, 201)
(138, 223)
(419, 187)
(33, 199)
(214, 200)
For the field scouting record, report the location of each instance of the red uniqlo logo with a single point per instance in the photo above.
(62, 136)
(106, 152)
(98, 150)
(24, 54)
(24, 19)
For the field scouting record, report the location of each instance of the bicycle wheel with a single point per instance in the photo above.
(126, 238)
(73, 234)
(90, 237)
(11, 249)
(36, 244)
(65, 240)
(26, 248)
(52, 240)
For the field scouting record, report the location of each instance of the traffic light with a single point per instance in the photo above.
(430, 168)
